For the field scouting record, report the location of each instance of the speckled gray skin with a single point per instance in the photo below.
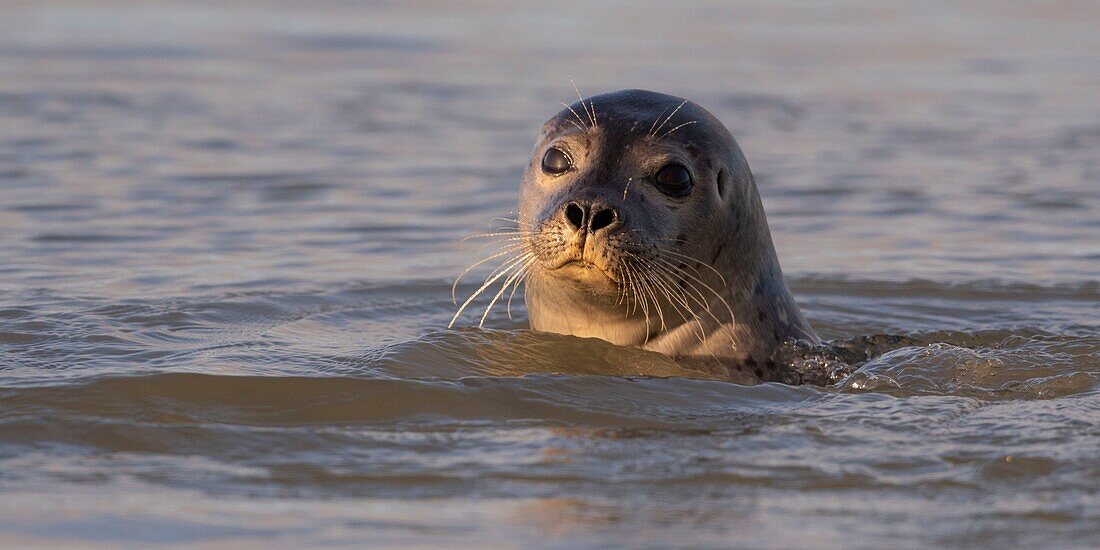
(713, 244)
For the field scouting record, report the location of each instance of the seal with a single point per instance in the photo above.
(640, 224)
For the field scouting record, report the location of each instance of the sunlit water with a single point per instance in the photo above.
(228, 232)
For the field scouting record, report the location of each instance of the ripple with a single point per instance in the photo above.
(1023, 368)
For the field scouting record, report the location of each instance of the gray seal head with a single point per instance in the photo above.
(641, 225)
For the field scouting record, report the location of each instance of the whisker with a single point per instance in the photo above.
(578, 126)
(656, 278)
(583, 129)
(632, 307)
(664, 135)
(693, 282)
(675, 269)
(527, 259)
(696, 261)
(681, 299)
(622, 284)
(652, 127)
(676, 297)
(671, 240)
(515, 286)
(632, 274)
(632, 304)
(513, 220)
(506, 243)
(647, 289)
(514, 242)
(640, 298)
(672, 114)
(493, 277)
(489, 235)
(454, 286)
(683, 290)
(591, 115)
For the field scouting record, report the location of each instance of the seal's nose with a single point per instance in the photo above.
(576, 214)
(601, 218)
(591, 217)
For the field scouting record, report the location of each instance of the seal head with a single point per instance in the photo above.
(645, 228)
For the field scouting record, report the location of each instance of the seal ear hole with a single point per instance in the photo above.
(722, 181)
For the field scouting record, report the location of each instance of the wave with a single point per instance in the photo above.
(190, 398)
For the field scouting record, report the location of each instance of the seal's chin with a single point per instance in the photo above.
(586, 274)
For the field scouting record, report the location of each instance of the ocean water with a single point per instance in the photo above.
(228, 233)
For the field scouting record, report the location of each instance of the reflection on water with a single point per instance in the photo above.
(228, 233)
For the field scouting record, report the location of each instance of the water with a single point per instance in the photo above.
(228, 233)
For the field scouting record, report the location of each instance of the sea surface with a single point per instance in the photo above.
(228, 233)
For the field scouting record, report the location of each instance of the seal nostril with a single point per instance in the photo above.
(602, 219)
(575, 214)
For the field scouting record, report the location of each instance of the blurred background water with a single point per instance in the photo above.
(228, 233)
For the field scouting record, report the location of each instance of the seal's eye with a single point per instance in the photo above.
(674, 180)
(555, 162)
